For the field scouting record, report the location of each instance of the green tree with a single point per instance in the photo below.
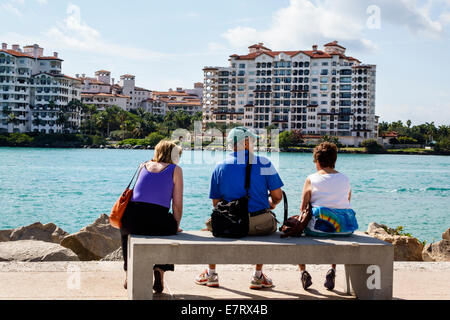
(372, 146)
(154, 138)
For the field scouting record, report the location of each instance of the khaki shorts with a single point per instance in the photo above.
(261, 225)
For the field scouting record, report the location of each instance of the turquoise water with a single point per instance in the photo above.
(72, 187)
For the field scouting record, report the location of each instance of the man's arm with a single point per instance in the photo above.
(215, 202)
(275, 198)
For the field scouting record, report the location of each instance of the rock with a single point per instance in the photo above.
(4, 235)
(35, 251)
(375, 228)
(405, 248)
(37, 231)
(438, 251)
(114, 256)
(95, 241)
(446, 234)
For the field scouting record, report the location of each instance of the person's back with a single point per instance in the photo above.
(228, 180)
(155, 185)
(228, 184)
(330, 190)
(329, 193)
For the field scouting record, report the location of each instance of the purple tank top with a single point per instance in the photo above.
(154, 188)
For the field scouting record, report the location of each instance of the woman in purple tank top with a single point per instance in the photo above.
(158, 188)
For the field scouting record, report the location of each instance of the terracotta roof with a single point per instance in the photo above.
(102, 71)
(142, 89)
(127, 76)
(17, 54)
(102, 94)
(314, 54)
(390, 134)
(334, 44)
(56, 76)
(184, 103)
(94, 81)
(259, 46)
(71, 78)
(171, 93)
(50, 58)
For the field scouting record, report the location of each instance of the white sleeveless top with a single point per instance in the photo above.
(330, 190)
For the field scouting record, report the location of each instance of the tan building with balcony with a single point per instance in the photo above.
(320, 92)
(34, 93)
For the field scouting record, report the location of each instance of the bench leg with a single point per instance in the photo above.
(369, 282)
(140, 278)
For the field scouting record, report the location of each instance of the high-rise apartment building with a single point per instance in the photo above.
(320, 92)
(35, 96)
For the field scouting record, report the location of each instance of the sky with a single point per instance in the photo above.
(166, 44)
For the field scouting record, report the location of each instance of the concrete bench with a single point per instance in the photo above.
(368, 261)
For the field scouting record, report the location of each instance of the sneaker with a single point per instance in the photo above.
(306, 280)
(158, 284)
(329, 282)
(209, 280)
(262, 282)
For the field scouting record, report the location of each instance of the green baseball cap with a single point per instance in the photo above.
(240, 133)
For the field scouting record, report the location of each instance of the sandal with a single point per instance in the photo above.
(306, 280)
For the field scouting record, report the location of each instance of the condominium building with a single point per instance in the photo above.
(35, 96)
(320, 92)
(102, 91)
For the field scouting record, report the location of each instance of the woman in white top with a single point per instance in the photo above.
(328, 191)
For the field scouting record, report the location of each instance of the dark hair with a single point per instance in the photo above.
(326, 154)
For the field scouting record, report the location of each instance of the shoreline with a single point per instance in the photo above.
(286, 150)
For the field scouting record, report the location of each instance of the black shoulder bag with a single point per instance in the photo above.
(231, 219)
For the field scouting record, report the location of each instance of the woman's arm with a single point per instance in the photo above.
(306, 196)
(177, 201)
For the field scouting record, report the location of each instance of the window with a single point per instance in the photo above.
(242, 66)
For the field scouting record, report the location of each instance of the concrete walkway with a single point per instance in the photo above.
(104, 280)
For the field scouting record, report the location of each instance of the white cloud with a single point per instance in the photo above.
(15, 7)
(300, 25)
(10, 8)
(74, 33)
(306, 22)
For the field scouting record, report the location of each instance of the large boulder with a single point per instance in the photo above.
(36, 231)
(4, 235)
(438, 251)
(405, 248)
(35, 251)
(114, 256)
(95, 241)
(446, 234)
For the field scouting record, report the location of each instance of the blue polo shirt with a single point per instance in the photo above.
(228, 180)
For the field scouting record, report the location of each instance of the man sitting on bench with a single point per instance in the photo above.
(227, 183)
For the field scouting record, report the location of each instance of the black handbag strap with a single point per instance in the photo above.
(286, 209)
(138, 171)
(248, 173)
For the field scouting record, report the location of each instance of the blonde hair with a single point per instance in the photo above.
(167, 151)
